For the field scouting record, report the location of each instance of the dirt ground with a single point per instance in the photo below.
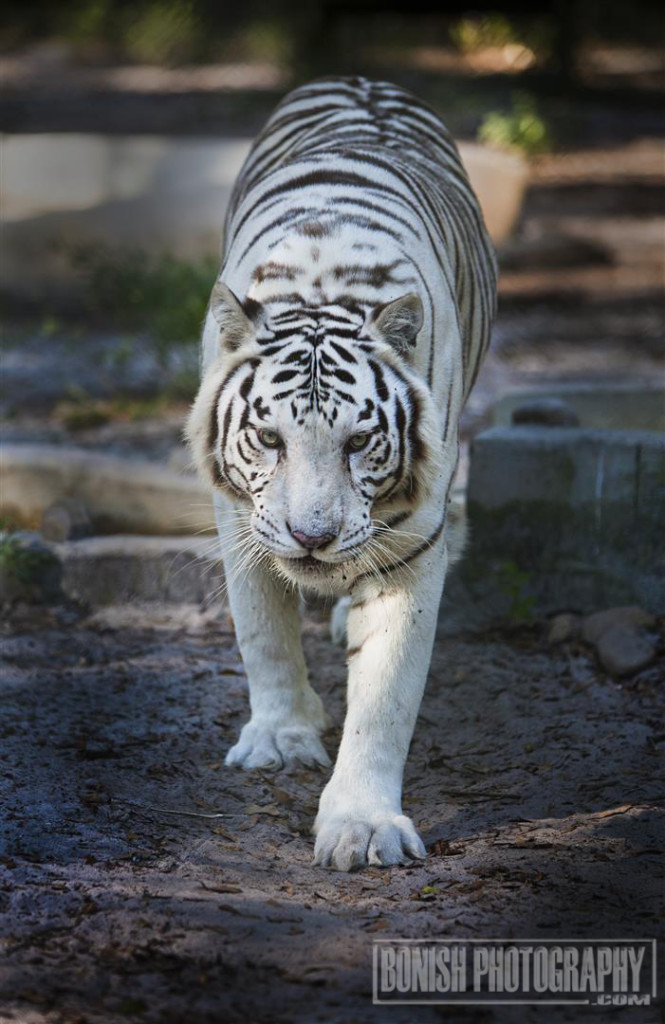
(140, 879)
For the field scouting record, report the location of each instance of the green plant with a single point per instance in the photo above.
(19, 561)
(162, 297)
(489, 31)
(81, 415)
(183, 385)
(262, 39)
(82, 412)
(87, 21)
(473, 34)
(522, 128)
(166, 32)
(513, 582)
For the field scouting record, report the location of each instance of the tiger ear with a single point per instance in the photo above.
(237, 324)
(398, 322)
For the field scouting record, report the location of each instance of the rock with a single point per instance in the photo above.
(153, 615)
(625, 650)
(630, 617)
(563, 627)
(66, 519)
(619, 636)
(546, 412)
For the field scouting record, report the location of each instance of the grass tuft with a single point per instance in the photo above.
(521, 129)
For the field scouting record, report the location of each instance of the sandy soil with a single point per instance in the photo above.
(143, 880)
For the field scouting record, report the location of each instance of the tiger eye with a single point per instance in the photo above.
(269, 438)
(358, 442)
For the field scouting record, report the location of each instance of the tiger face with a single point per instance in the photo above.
(313, 422)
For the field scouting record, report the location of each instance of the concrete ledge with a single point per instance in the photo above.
(120, 495)
(598, 406)
(123, 570)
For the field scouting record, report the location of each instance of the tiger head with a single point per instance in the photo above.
(313, 420)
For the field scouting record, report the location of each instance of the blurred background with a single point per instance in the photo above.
(126, 121)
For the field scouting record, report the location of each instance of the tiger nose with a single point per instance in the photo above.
(312, 541)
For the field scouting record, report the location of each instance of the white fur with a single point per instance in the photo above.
(389, 617)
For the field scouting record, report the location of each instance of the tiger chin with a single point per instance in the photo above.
(351, 313)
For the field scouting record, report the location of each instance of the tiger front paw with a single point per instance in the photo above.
(274, 747)
(349, 843)
(363, 824)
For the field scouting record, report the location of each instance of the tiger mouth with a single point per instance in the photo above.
(310, 564)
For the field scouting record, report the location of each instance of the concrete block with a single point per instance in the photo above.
(116, 570)
(580, 512)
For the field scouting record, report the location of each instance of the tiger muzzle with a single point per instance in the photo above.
(313, 541)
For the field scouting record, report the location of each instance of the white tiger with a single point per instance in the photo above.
(352, 311)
